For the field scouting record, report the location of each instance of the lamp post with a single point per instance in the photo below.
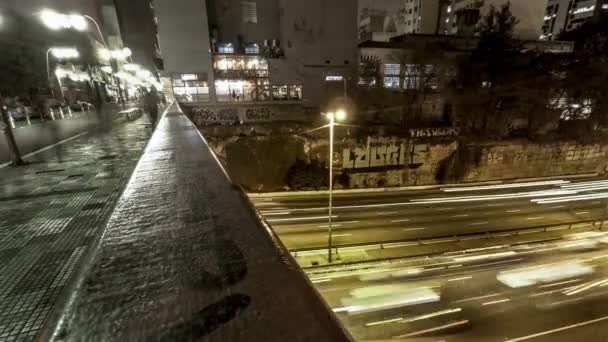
(58, 21)
(332, 117)
(59, 53)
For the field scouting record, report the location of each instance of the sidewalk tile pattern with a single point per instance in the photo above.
(51, 211)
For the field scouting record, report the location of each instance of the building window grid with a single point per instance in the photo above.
(250, 12)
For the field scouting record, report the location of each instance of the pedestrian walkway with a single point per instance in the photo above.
(51, 212)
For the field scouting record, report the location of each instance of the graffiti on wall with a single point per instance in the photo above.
(260, 113)
(584, 152)
(383, 155)
(219, 115)
(433, 132)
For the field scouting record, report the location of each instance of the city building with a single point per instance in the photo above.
(139, 32)
(461, 16)
(566, 15)
(247, 52)
(382, 20)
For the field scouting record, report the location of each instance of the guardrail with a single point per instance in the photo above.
(445, 238)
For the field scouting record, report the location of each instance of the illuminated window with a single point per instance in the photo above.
(225, 48)
(392, 69)
(250, 12)
(191, 88)
(391, 82)
(252, 49)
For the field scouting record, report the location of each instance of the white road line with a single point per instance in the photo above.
(558, 207)
(441, 209)
(316, 281)
(370, 324)
(461, 215)
(417, 228)
(497, 301)
(348, 222)
(475, 298)
(513, 211)
(581, 213)
(327, 226)
(441, 327)
(461, 278)
(478, 223)
(401, 220)
(535, 218)
(301, 218)
(338, 235)
(386, 212)
(495, 205)
(523, 338)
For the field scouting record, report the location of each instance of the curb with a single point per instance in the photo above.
(414, 187)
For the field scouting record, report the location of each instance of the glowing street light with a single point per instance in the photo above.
(59, 21)
(339, 115)
(117, 54)
(59, 53)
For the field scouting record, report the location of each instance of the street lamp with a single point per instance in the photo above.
(339, 115)
(58, 21)
(59, 53)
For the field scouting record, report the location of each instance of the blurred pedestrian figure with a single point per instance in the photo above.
(151, 101)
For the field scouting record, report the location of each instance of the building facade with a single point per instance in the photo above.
(565, 15)
(461, 16)
(248, 52)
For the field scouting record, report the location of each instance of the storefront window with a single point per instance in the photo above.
(391, 82)
(295, 93)
(279, 93)
(190, 88)
(225, 48)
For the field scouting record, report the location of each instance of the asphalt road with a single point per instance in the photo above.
(474, 305)
(301, 221)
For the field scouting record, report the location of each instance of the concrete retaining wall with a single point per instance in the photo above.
(260, 163)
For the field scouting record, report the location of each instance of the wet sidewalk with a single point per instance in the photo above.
(52, 211)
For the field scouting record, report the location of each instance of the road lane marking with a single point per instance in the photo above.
(417, 228)
(402, 220)
(596, 202)
(497, 301)
(538, 294)
(547, 332)
(495, 205)
(317, 281)
(441, 209)
(348, 222)
(475, 298)
(581, 213)
(339, 235)
(514, 211)
(461, 278)
(327, 226)
(383, 322)
(301, 218)
(558, 207)
(478, 223)
(441, 327)
(461, 215)
(386, 212)
(535, 218)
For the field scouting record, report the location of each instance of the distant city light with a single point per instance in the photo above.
(121, 54)
(334, 78)
(584, 9)
(188, 77)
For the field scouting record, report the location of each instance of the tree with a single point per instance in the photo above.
(304, 175)
(500, 82)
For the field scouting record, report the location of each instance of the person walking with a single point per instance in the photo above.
(151, 106)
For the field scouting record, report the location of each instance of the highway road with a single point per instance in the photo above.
(301, 220)
(471, 303)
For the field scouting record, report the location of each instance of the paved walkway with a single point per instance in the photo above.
(51, 211)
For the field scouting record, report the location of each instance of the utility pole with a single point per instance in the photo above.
(10, 138)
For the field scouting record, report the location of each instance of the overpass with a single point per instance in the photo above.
(184, 256)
